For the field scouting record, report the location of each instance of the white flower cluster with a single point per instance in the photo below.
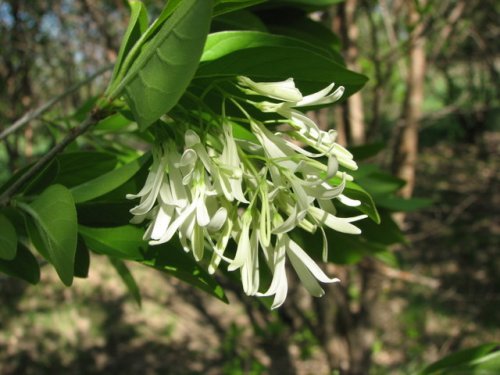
(254, 190)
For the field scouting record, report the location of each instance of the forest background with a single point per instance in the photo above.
(428, 115)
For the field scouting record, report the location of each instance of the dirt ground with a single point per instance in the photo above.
(94, 327)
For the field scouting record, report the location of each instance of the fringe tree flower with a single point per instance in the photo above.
(225, 180)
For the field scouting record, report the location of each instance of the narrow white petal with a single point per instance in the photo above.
(348, 201)
(198, 243)
(243, 243)
(305, 276)
(162, 221)
(281, 90)
(336, 223)
(179, 220)
(300, 255)
(313, 98)
(217, 220)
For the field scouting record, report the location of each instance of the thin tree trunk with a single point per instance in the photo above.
(345, 26)
(406, 148)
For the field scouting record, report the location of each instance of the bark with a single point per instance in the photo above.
(345, 26)
(406, 147)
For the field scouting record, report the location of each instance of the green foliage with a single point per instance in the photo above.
(267, 56)
(480, 360)
(54, 226)
(162, 71)
(8, 239)
(76, 206)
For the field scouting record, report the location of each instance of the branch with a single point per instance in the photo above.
(32, 114)
(44, 160)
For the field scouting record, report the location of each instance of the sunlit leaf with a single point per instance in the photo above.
(264, 56)
(166, 64)
(137, 25)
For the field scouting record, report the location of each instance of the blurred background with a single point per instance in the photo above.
(429, 115)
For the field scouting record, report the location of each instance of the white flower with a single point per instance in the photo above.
(282, 90)
(308, 271)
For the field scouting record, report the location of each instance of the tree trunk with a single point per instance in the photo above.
(345, 26)
(406, 148)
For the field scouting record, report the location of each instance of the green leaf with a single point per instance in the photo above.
(354, 191)
(483, 359)
(54, 214)
(171, 259)
(8, 239)
(241, 20)
(137, 25)
(366, 151)
(378, 183)
(127, 278)
(386, 232)
(43, 179)
(24, 266)
(271, 57)
(126, 243)
(120, 242)
(166, 64)
(307, 4)
(103, 213)
(398, 204)
(82, 259)
(226, 6)
(76, 168)
(109, 181)
(112, 124)
(301, 27)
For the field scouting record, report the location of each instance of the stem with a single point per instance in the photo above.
(51, 154)
(32, 114)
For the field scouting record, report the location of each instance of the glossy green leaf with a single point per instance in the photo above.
(316, 34)
(386, 232)
(8, 239)
(43, 179)
(126, 243)
(307, 4)
(127, 278)
(112, 124)
(76, 168)
(366, 151)
(137, 25)
(103, 213)
(354, 191)
(379, 184)
(37, 183)
(480, 360)
(120, 242)
(171, 259)
(54, 215)
(271, 57)
(398, 204)
(166, 64)
(23, 266)
(226, 6)
(241, 20)
(108, 182)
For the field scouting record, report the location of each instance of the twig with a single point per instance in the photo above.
(44, 160)
(32, 114)
(406, 276)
